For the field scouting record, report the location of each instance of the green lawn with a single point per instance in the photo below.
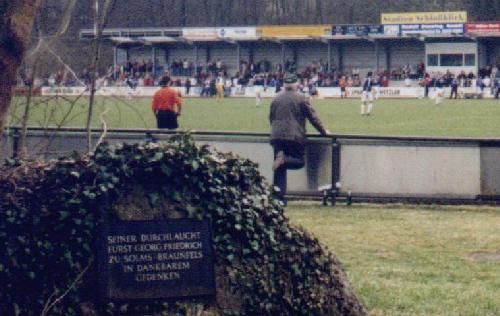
(457, 118)
(413, 260)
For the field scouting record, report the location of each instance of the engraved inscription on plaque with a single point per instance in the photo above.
(155, 260)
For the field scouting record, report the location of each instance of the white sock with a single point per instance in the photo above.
(363, 109)
(370, 108)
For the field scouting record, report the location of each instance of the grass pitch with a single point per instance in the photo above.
(413, 260)
(403, 117)
(401, 260)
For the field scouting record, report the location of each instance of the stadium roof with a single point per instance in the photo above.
(151, 36)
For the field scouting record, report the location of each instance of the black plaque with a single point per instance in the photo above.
(155, 260)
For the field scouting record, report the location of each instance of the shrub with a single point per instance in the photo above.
(49, 213)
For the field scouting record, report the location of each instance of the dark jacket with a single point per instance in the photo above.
(288, 115)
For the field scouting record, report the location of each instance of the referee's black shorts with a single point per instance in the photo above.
(167, 119)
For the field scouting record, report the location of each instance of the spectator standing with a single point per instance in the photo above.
(426, 83)
(454, 88)
(167, 105)
(343, 86)
(287, 117)
(497, 86)
(188, 85)
(185, 68)
(278, 86)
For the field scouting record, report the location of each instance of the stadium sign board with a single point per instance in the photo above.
(359, 30)
(424, 17)
(480, 28)
(392, 30)
(429, 29)
(200, 32)
(240, 91)
(237, 32)
(294, 31)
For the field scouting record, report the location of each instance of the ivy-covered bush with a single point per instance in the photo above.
(49, 213)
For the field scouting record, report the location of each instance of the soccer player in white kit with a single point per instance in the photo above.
(367, 95)
(439, 90)
(258, 98)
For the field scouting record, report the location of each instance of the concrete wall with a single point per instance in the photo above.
(401, 168)
(359, 56)
(387, 167)
(227, 53)
(490, 171)
(317, 172)
(140, 53)
(309, 52)
(407, 53)
(271, 51)
(179, 52)
(452, 48)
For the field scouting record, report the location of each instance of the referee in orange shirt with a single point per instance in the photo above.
(167, 104)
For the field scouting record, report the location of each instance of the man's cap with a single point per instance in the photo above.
(290, 78)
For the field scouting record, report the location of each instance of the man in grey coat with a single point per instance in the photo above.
(288, 115)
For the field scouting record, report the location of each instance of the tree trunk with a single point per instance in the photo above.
(16, 25)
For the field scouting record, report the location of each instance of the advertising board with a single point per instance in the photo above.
(200, 32)
(237, 32)
(357, 29)
(485, 28)
(294, 31)
(424, 17)
(429, 29)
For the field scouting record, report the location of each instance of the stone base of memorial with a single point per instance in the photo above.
(136, 211)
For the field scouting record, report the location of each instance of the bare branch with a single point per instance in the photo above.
(63, 27)
(104, 129)
(100, 20)
(49, 306)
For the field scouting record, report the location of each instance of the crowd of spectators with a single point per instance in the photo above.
(184, 72)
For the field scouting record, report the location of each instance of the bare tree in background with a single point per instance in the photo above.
(100, 19)
(16, 26)
(44, 43)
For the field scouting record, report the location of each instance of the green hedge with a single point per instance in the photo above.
(49, 213)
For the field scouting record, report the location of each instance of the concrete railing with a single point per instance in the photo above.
(369, 167)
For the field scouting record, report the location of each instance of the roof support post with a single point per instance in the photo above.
(329, 57)
(341, 57)
(208, 57)
(196, 59)
(153, 56)
(283, 55)
(238, 56)
(115, 57)
(377, 56)
(388, 58)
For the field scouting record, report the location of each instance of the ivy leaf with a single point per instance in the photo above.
(153, 198)
(166, 169)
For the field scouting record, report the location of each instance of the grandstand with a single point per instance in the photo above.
(400, 53)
